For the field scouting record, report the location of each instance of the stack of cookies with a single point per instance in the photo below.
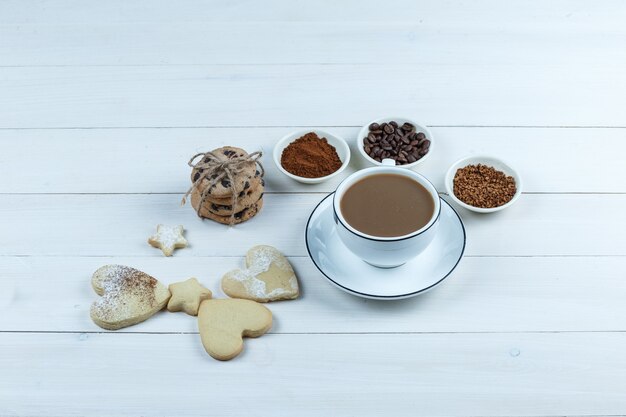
(246, 191)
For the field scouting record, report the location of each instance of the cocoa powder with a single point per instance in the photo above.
(310, 157)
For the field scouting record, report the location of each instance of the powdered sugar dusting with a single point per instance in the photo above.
(125, 292)
(258, 260)
(168, 238)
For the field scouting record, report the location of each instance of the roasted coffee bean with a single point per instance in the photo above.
(400, 142)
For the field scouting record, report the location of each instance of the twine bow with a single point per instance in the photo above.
(210, 166)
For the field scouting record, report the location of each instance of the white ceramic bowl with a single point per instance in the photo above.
(386, 252)
(400, 120)
(343, 151)
(485, 160)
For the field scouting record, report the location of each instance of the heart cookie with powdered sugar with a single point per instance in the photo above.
(268, 277)
(128, 296)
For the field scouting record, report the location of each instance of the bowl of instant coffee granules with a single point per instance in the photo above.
(311, 156)
(483, 184)
(401, 139)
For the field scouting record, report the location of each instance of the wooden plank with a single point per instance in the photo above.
(114, 160)
(195, 43)
(252, 95)
(483, 295)
(365, 375)
(521, 14)
(118, 225)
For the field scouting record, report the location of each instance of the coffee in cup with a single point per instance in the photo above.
(386, 215)
(387, 205)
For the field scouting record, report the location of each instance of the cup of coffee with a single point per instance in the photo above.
(386, 215)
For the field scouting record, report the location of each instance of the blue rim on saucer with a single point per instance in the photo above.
(417, 276)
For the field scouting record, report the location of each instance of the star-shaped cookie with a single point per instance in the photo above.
(187, 296)
(168, 238)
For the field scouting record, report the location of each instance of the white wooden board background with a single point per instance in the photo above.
(102, 102)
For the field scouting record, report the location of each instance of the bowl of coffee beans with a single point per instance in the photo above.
(483, 184)
(401, 139)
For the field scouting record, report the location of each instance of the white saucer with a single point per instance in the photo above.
(353, 275)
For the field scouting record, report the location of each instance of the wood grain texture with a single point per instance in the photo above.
(235, 95)
(118, 225)
(155, 160)
(520, 14)
(102, 103)
(417, 42)
(438, 375)
(483, 295)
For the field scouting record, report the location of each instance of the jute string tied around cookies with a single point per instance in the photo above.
(210, 166)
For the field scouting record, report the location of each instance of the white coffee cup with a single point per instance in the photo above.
(385, 252)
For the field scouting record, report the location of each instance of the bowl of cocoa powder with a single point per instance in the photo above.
(311, 156)
(483, 184)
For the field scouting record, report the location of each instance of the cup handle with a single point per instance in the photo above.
(389, 162)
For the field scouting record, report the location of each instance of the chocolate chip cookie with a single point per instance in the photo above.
(224, 188)
(240, 217)
(224, 207)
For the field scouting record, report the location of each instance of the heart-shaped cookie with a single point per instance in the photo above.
(224, 323)
(268, 277)
(129, 296)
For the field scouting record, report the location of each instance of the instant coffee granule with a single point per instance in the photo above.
(483, 186)
(310, 157)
